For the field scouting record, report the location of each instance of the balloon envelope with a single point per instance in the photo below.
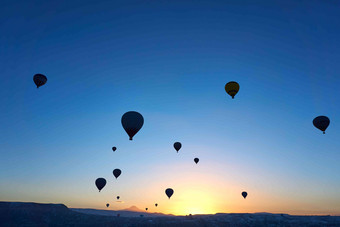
(114, 148)
(244, 194)
(196, 160)
(232, 88)
(132, 122)
(169, 192)
(321, 122)
(146, 208)
(100, 183)
(156, 204)
(107, 205)
(118, 197)
(116, 173)
(39, 80)
(177, 146)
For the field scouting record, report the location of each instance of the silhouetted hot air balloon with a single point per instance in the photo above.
(244, 194)
(100, 183)
(177, 146)
(114, 148)
(118, 197)
(117, 172)
(156, 204)
(232, 88)
(146, 209)
(107, 205)
(169, 192)
(39, 79)
(321, 122)
(196, 160)
(132, 122)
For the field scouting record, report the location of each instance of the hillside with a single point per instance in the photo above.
(129, 212)
(36, 214)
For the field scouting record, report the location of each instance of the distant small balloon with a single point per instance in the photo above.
(169, 192)
(116, 173)
(132, 122)
(100, 183)
(244, 194)
(114, 148)
(39, 80)
(321, 122)
(118, 197)
(107, 205)
(232, 88)
(146, 208)
(156, 204)
(196, 160)
(177, 146)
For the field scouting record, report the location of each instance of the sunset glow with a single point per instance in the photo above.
(170, 61)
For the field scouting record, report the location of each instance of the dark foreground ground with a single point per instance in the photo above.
(35, 214)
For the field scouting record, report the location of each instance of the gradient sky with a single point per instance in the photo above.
(170, 60)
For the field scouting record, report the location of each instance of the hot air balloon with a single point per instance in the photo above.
(117, 172)
(100, 183)
(156, 204)
(146, 209)
(169, 192)
(177, 146)
(244, 194)
(232, 88)
(107, 205)
(321, 122)
(114, 148)
(132, 122)
(196, 160)
(118, 197)
(39, 79)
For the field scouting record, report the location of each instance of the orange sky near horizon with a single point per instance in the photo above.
(209, 195)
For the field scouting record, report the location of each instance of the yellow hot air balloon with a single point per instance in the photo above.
(232, 88)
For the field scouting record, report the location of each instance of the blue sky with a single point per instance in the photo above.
(170, 62)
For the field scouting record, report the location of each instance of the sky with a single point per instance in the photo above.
(170, 61)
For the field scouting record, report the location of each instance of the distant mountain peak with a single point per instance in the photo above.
(133, 208)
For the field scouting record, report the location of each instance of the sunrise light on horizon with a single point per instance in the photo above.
(170, 62)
